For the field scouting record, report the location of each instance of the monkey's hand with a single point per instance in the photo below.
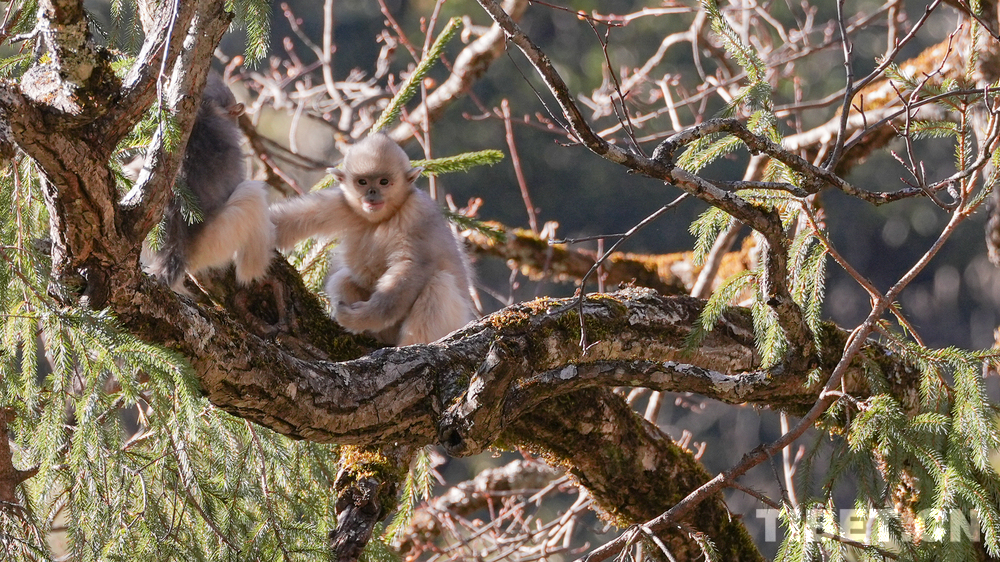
(358, 317)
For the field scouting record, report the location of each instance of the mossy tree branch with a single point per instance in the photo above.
(270, 353)
(668, 274)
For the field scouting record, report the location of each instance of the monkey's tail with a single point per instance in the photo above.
(241, 229)
(167, 264)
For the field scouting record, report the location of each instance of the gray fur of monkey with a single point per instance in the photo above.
(235, 224)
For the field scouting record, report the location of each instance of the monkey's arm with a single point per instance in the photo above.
(323, 213)
(392, 298)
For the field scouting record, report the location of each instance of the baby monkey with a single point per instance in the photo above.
(398, 272)
(235, 224)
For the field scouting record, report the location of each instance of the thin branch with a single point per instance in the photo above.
(828, 396)
(851, 90)
(516, 161)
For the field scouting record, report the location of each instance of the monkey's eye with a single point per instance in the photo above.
(362, 182)
(383, 181)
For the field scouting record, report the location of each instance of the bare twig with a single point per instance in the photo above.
(516, 161)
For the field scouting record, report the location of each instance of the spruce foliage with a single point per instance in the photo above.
(411, 85)
(922, 472)
(132, 461)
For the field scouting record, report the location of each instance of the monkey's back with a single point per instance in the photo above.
(211, 170)
(214, 140)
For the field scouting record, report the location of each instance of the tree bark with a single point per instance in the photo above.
(270, 354)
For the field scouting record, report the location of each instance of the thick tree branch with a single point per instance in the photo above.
(72, 145)
(61, 79)
(487, 380)
(63, 28)
(464, 391)
(79, 193)
(587, 431)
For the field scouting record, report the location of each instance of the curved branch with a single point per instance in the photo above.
(583, 430)
(757, 218)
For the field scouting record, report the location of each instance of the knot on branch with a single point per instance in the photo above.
(358, 509)
(477, 417)
(80, 98)
(664, 153)
(10, 477)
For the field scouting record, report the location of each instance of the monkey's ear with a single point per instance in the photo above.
(236, 110)
(413, 173)
(337, 173)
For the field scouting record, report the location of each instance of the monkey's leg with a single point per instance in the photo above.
(442, 307)
(242, 228)
(169, 262)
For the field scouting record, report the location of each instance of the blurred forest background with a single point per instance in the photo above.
(953, 302)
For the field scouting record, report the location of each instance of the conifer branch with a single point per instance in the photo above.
(459, 163)
(411, 85)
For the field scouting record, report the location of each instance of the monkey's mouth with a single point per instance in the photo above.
(372, 207)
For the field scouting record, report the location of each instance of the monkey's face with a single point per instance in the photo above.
(376, 177)
(376, 197)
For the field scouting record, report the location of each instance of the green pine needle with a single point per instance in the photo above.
(459, 163)
(411, 85)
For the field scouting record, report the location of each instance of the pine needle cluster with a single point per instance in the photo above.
(132, 461)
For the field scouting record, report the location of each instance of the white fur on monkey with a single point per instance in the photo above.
(399, 273)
